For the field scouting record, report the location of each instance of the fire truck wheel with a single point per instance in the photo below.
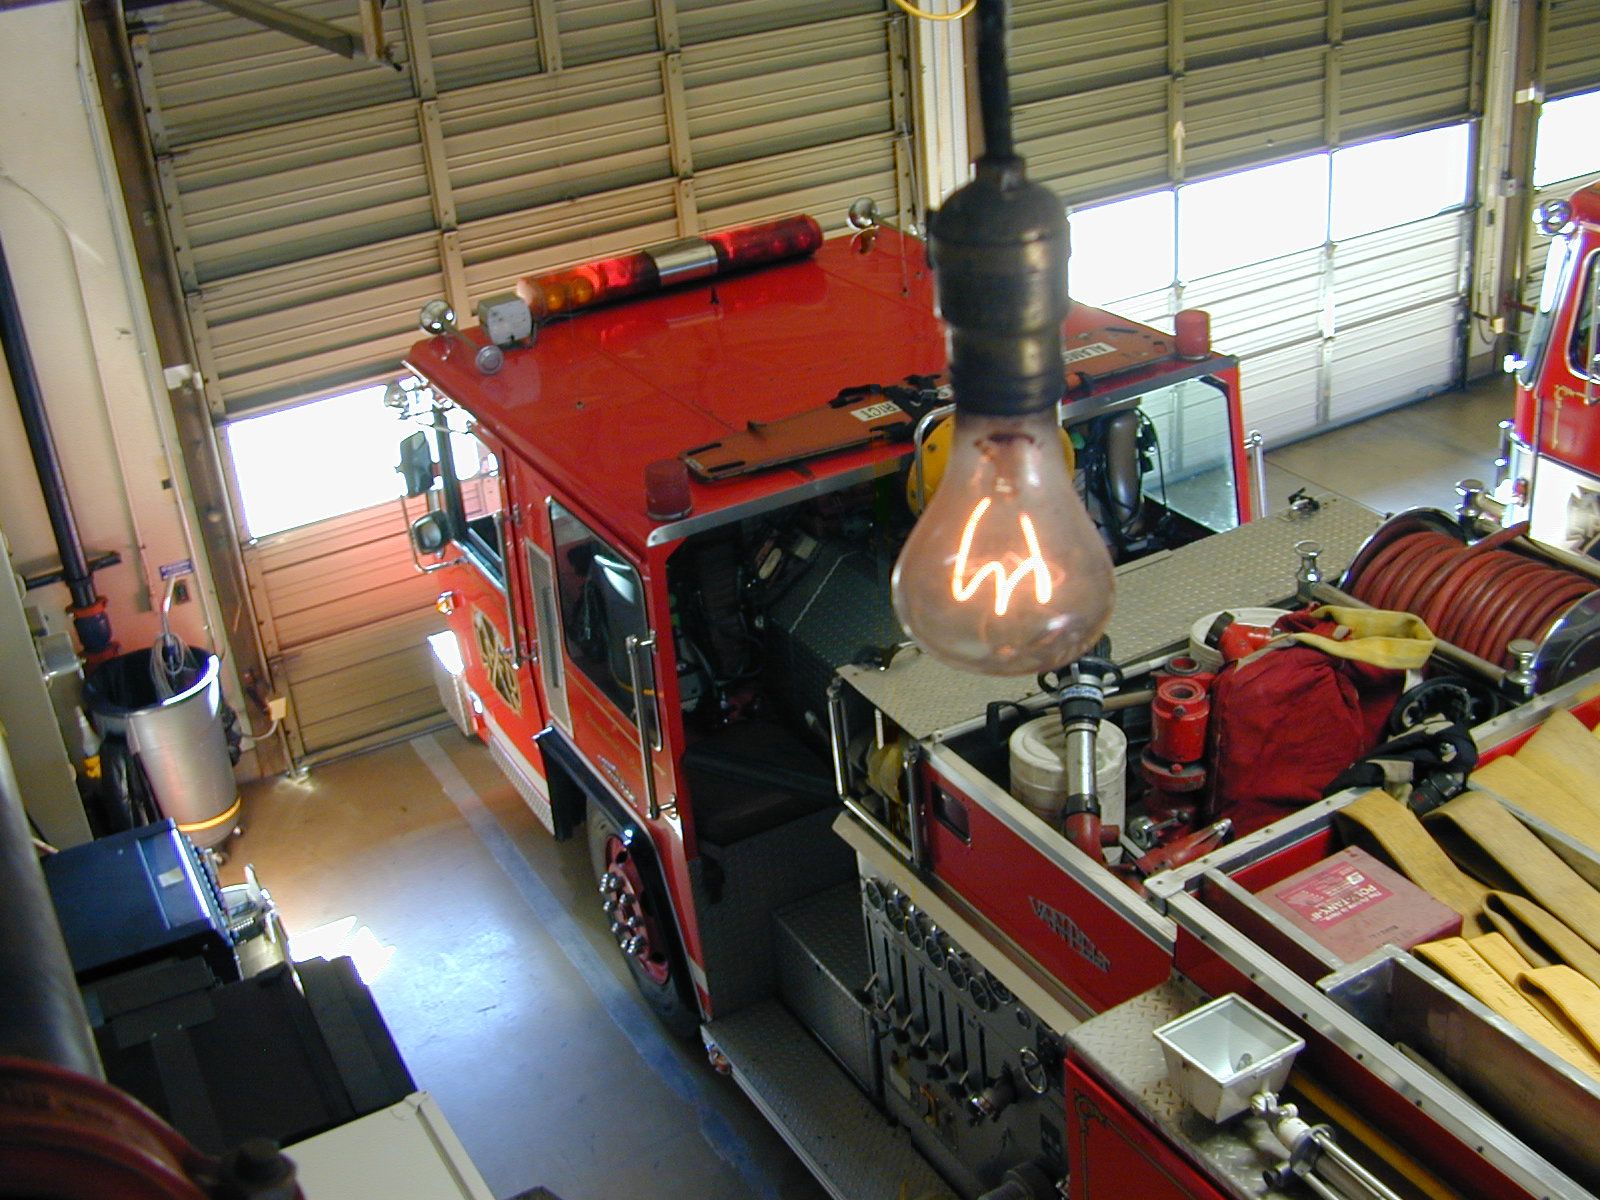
(636, 906)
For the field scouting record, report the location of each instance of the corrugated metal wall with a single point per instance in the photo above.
(1118, 97)
(345, 615)
(1570, 46)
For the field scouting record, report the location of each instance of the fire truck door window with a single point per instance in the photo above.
(1582, 346)
(1184, 453)
(602, 604)
(469, 475)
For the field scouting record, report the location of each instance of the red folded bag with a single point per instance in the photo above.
(1288, 718)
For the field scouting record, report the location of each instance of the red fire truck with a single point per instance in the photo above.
(663, 500)
(1551, 458)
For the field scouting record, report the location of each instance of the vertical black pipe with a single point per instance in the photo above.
(41, 1010)
(94, 630)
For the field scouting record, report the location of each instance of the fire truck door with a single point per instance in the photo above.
(599, 670)
(480, 510)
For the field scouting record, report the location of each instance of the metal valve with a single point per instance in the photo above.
(992, 1100)
(1309, 574)
(1522, 676)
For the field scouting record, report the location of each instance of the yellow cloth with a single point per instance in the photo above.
(1566, 999)
(1459, 962)
(1536, 793)
(1571, 1002)
(1489, 843)
(1384, 639)
(1554, 776)
(1539, 937)
(1502, 956)
(1381, 825)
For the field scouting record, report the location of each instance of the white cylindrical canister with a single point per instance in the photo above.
(1039, 771)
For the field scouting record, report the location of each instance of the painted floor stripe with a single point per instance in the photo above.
(620, 1002)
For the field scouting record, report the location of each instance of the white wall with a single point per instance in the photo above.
(65, 237)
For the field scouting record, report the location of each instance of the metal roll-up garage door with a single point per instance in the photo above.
(1118, 100)
(316, 204)
(1114, 98)
(1569, 46)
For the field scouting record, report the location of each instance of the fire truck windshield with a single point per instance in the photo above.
(1556, 267)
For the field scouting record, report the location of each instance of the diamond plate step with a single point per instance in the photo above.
(821, 947)
(847, 1143)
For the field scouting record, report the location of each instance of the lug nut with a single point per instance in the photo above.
(609, 904)
(633, 945)
(617, 931)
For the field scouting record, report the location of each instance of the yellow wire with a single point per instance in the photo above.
(928, 16)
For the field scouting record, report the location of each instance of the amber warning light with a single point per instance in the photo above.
(658, 267)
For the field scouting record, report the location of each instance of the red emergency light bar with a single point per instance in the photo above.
(663, 266)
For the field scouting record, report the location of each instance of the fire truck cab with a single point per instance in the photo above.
(663, 522)
(1550, 473)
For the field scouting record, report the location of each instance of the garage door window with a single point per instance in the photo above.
(1566, 145)
(321, 460)
(1383, 184)
(1252, 216)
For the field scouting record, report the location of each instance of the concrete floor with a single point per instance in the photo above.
(485, 947)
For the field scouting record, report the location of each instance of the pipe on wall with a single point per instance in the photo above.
(88, 609)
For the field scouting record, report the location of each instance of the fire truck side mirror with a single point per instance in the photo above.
(430, 533)
(416, 463)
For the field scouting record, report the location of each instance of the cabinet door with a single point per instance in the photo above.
(1112, 1154)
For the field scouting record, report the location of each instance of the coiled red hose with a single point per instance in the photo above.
(1478, 597)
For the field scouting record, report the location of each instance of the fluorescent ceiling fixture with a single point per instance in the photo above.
(1382, 184)
(1252, 216)
(1566, 146)
(1122, 249)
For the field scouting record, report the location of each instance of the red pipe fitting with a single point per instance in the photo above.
(1179, 715)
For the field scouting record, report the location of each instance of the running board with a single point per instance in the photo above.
(848, 1144)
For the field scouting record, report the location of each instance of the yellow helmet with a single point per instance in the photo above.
(936, 456)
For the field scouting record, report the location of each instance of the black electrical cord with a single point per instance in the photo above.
(994, 87)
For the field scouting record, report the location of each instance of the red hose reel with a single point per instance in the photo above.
(1479, 597)
(64, 1136)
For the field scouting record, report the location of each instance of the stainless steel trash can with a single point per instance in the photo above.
(179, 740)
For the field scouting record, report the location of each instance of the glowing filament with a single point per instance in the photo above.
(963, 588)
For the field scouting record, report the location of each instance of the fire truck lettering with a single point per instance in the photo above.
(1065, 928)
(884, 408)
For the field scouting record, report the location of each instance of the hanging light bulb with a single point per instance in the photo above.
(1004, 573)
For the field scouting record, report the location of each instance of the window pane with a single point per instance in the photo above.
(1252, 216)
(1566, 146)
(602, 603)
(1382, 184)
(316, 461)
(1122, 249)
(1583, 345)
